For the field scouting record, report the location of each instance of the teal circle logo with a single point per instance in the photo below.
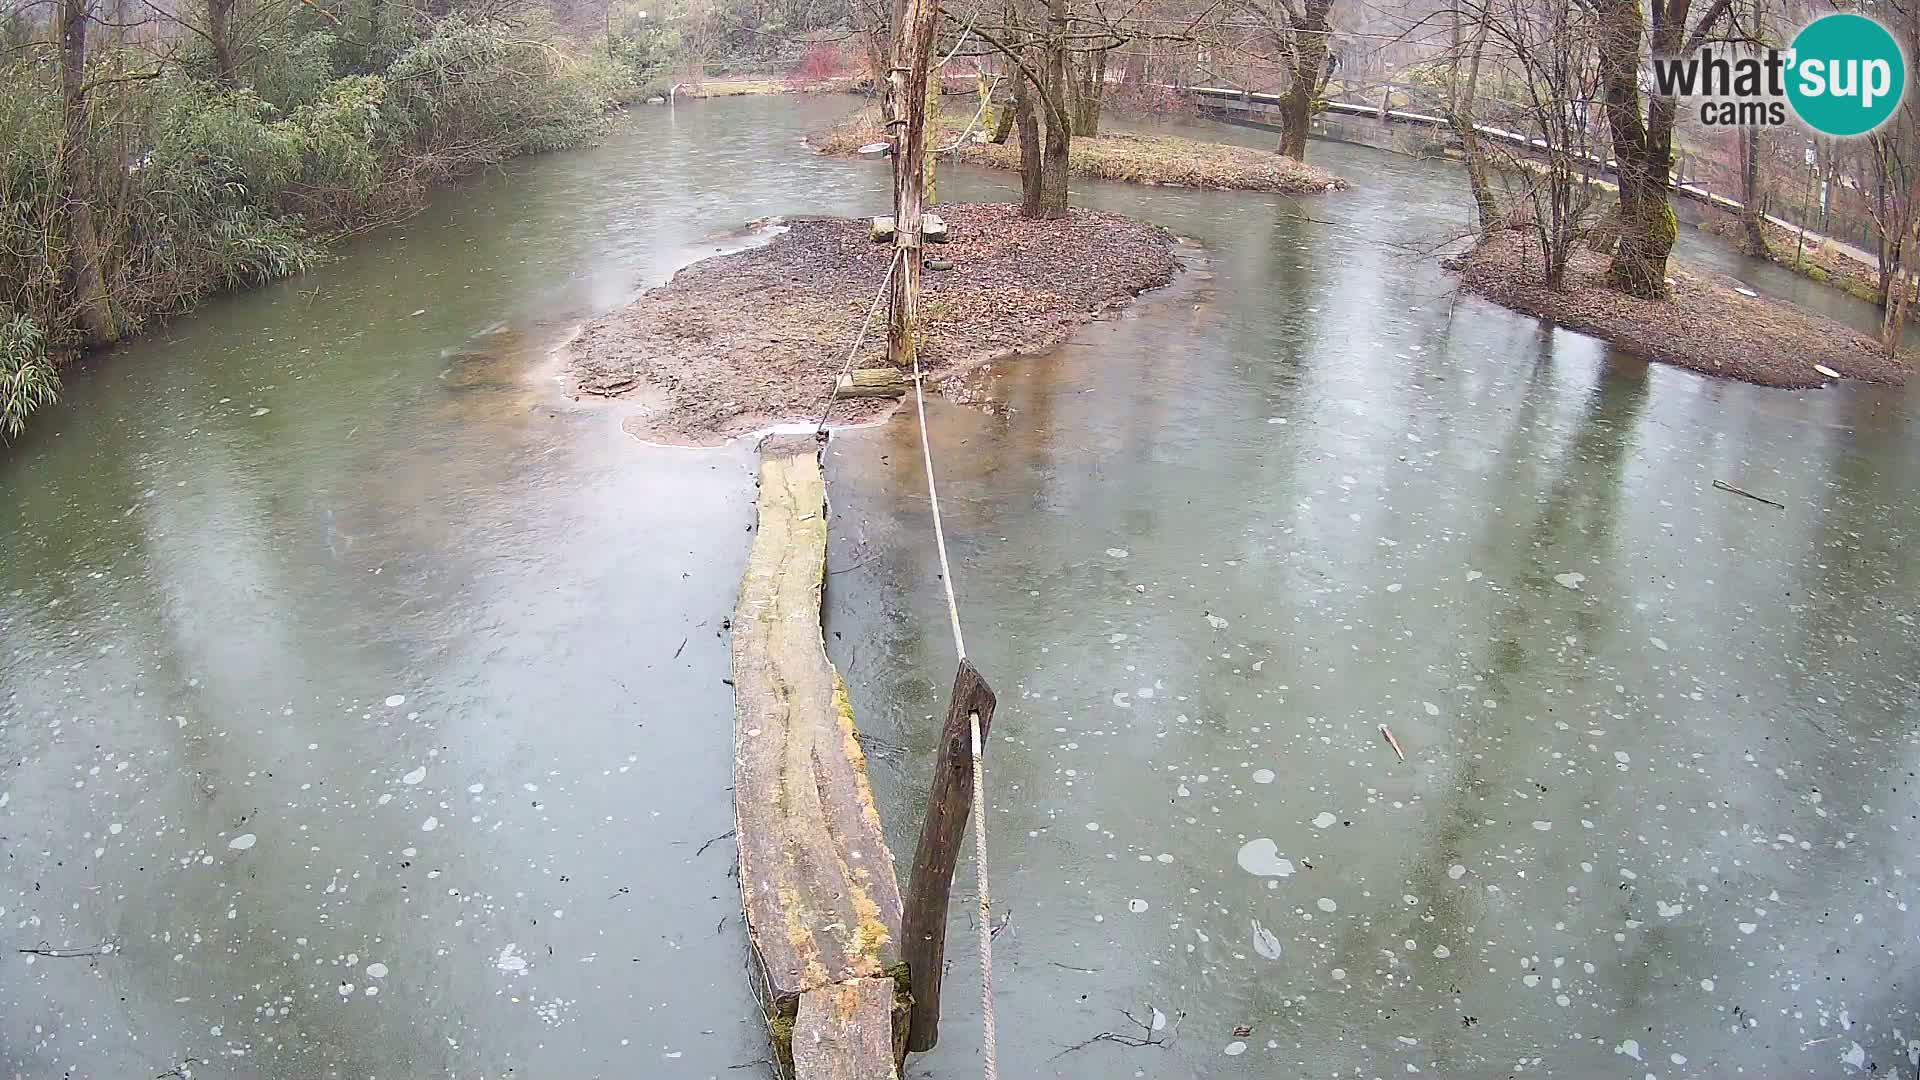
(1847, 76)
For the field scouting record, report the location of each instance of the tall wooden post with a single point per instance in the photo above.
(907, 87)
(923, 920)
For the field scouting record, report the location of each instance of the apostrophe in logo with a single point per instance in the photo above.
(1846, 75)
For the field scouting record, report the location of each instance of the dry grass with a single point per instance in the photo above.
(1124, 156)
(1705, 325)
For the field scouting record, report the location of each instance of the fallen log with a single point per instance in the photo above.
(816, 878)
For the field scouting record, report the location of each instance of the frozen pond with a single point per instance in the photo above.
(366, 697)
(1658, 813)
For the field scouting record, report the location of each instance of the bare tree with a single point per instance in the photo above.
(1552, 45)
(1462, 86)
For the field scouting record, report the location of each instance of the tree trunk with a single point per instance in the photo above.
(1899, 286)
(1486, 208)
(1028, 125)
(1054, 97)
(1642, 146)
(220, 33)
(908, 85)
(1089, 82)
(86, 281)
(1753, 234)
(1307, 77)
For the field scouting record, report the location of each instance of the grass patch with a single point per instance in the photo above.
(1165, 160)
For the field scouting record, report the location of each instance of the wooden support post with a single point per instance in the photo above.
(907, 85)
(923, 925)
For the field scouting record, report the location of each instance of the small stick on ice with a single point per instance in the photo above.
(1393, 742)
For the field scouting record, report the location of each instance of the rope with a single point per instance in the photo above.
(982, 885)
(987, 1038)
(933, 497)
(858, 340)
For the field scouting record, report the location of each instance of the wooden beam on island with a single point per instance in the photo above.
(871, 382)
(816, 878)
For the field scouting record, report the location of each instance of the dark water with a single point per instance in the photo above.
(1380, 499)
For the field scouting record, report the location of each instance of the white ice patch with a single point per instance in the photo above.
(1855, 1056)
(1235, 1048)
(1456, 871)
(1264, 942)
(510, 960)
(1543, 826)
(1261, 858)
(1327, 905)
(1137, 905)
(1216, 621)
(415, 776)
(1571, 581)
(242, 842)
(1658, 644)
(1631, 1048)
(376, 971)
(430, 824)
(1263, 776)
(1117, 553)
(1668, 911)
(394, 701)
(1324, 820)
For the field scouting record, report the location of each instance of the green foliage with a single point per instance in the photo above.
(27, 378)
(302, 70)
(199, 187)
(644, 47)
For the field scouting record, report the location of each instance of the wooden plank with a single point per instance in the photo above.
(816, 878)
(842, 1032)
(942, 834)
(870, 382)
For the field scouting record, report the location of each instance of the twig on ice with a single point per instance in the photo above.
(1150, 1032)
(44, 949)
(1393, 742)
(1724, 486)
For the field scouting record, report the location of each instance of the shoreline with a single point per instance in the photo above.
(1152, 160)
(1708, 324)
(750, 340)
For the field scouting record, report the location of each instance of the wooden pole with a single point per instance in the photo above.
(907, 86)
(923, 923)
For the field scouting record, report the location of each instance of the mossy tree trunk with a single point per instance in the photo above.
(1643, 141)
(1309, 64)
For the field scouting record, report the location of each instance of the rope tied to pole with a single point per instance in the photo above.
(858, 340)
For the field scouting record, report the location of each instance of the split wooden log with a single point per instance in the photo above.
(841, 1032)
(816, 878)
(871, 382)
